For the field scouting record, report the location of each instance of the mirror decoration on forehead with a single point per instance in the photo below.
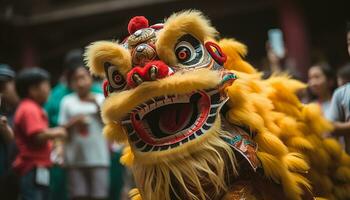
(199, 122)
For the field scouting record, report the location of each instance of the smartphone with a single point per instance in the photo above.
(276, 42)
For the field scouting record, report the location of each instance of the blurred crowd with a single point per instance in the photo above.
(51, 141)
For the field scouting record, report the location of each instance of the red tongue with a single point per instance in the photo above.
(174, 118)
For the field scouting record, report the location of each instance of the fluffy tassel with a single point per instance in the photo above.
(134, 194)
(296, 163)
(127, 157)
(115, 132)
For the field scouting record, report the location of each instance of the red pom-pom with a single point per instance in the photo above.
(144, 72)
(137, 23)
(162, 69)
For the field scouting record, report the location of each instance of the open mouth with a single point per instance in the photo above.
(168, 121)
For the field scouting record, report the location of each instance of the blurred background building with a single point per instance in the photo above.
(40, 32)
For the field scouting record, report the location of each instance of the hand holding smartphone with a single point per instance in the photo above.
(276, 42)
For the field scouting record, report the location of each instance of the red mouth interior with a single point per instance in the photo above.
(175, 118)
(163, 124)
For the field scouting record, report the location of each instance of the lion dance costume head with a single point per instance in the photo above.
(198, 121)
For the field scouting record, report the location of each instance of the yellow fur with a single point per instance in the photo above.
(134, 194)
(345, 159)
(272, 166)
(127, 158)
(186, 22)
(342, 192)
(98, 53)
(343, 174)
(236, 50)
(299, 143)
(296, 163)
(333, 148)
(115, 132)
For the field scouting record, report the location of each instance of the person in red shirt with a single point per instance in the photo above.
(32, 135)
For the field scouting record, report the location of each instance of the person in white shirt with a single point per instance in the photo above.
(86, 154)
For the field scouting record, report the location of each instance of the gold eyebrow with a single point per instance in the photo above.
(186, 22)
(98, 53)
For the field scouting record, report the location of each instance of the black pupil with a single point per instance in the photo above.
(183, 53)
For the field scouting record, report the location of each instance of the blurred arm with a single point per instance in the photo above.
(5, 130)
(49, 134)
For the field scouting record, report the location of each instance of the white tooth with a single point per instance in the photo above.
(143, 147)
(212, 92)
(167, 100)
(126, 122)
(212, 114)
(160, 103)
(146, 109)
(152, 106)
(141, 113)
(137, 141)
(151, 149)
(132, 133)
(215, 105)
(144, 112)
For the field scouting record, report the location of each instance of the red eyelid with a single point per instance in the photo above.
(105, 88)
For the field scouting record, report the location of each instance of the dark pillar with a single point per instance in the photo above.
(29, 54)
(295, 35)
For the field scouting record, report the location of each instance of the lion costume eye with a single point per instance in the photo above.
(185, 52)
(188, 51)
(115, 78)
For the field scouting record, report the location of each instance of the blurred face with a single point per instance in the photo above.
(341, 81)
(40, 92)
(348, 41)
(9, 94)
(317, 81)
(81, 82)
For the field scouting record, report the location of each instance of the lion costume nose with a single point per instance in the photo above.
(150, 72)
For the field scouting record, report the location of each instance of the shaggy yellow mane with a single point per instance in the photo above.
(289, 134)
